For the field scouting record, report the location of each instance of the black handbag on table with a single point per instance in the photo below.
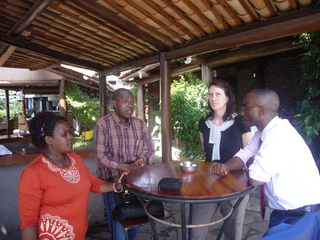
(128, 207)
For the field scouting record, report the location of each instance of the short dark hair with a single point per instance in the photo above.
(118, 92)
(267, 98)
(230, 93)
(41, 125)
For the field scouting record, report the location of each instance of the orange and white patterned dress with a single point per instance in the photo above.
(56, 199)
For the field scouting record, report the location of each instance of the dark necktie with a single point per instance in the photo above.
(262, 203)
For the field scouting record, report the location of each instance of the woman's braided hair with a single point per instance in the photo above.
(42, 125)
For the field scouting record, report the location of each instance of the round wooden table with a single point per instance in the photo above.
(199, 187)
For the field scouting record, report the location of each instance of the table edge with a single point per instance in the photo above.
(185, 200)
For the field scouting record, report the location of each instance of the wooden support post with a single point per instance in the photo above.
(62, 99)
(141, 108)
(150, 114)
(23, 101)
(206, 73)
(7, 109)
(103, 96)
(166, 129)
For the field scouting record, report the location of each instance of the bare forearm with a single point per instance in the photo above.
(108, 187)
(235, 163)
(29, 233)
(124, 167)
(255, 182)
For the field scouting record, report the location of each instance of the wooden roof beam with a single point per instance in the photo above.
(49, 65)
(87, 85)
(251, 52)
(282, 26)
(109, 16)
(30, 83)
(10, 49)
(221, 59)
(22, 24)
(132, 64)
(35, 90)
(49, 52)
(68, 75)
(173, 72)
(7, 53)
(141, 71)
(28, 18)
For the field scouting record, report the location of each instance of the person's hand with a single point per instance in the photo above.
(137, 164)
(118, 184)
(113, 186)
(141, 162)
(220, 169)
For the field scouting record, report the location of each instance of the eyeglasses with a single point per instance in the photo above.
(245, 107)
(126, 102)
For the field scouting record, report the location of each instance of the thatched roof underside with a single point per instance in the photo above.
(129, 35)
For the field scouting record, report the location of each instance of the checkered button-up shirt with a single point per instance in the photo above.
(115, 143)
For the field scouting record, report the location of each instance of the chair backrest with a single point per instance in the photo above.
(22, 120)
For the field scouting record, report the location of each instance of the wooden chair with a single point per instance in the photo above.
(137, 222)
(6, 126)
(22, 122)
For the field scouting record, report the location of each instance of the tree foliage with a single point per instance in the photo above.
(15, 107)
(188, 101)
(310, 63)
(85, 109)
(307, 121)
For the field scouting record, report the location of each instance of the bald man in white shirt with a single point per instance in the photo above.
(278, 158)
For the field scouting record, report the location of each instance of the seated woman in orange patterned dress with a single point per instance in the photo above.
(54, 188)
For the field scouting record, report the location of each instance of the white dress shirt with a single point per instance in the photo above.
(284, 162)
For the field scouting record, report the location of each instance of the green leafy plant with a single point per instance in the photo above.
(307, 121)
(310, 63)
(82, 144)
(85, 109)
(31, 111)
(15, 108)
(188, 101)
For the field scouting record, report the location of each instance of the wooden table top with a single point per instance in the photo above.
(201, 185)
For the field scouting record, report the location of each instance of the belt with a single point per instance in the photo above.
(307, 209)
(302, 210)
